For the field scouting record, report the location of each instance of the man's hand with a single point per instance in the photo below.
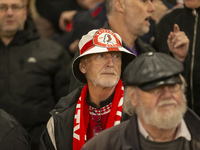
(178, 43)
(65, 18)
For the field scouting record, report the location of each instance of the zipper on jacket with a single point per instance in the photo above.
(194, 12)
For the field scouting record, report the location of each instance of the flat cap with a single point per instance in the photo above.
(151, 70)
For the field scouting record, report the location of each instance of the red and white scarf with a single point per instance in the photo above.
(81, 118)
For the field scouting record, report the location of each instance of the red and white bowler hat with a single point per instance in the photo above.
(100, 41)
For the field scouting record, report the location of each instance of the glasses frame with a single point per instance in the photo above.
(15, 8)
(98, 121)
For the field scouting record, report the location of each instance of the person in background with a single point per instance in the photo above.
(46, 13)
(76, 23)
(98, 105)
(119, 14)
(130, 19)
(33, 70)
(187, 18)
(154, 98)
(12, 135)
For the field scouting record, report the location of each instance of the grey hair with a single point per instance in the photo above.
(129, 109)
(84, 59)
(184, 84)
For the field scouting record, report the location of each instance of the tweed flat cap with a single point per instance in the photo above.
(153, 69)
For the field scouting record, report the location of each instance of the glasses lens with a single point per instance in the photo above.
(96, 118)
(97, 129)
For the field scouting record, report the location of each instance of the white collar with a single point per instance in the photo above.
(182, 131)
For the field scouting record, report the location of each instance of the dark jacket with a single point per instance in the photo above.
(189, 22)
(12, 135)
(33, 78)
(63, 115)
(125, 136)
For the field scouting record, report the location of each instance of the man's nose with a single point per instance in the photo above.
(9, 10)
(166, 92)
(151, 7)
(109, 60)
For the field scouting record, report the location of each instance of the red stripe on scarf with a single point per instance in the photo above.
(117, 97)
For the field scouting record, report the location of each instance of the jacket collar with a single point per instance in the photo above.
(193, 123)
(189, 11)
(131, 140)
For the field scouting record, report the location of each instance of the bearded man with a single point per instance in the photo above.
(154, 96)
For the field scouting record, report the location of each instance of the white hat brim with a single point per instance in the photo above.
(95, 50)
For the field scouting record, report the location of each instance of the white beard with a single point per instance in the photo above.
(164, 120)
(104, 82)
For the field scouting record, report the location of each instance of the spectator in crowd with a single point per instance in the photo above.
(130, 19)
(33, 70)
(188, 21)
(76, 23)
(119, 14)
(12, 135)
(46, 13)
(154, 97)
(98, 105)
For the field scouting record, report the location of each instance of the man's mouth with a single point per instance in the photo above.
(147, 18)
(9, 21)
(167, 104)
(108, 73)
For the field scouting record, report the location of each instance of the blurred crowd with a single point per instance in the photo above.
(41, 41)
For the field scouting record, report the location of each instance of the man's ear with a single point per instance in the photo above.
(82, 66)
(133, 97)
(134, 102)
(119, 5)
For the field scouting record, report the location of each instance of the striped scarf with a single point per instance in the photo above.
(81, 118)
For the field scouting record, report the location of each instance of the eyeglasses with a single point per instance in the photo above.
(96, 118)
(15, 8)
(171, 87)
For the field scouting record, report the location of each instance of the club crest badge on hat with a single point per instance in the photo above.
(103, 39)
(106, 38)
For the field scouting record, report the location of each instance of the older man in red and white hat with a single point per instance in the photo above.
(98, 105)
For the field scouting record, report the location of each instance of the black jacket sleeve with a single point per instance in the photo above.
(45, 141)
(12, 135)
